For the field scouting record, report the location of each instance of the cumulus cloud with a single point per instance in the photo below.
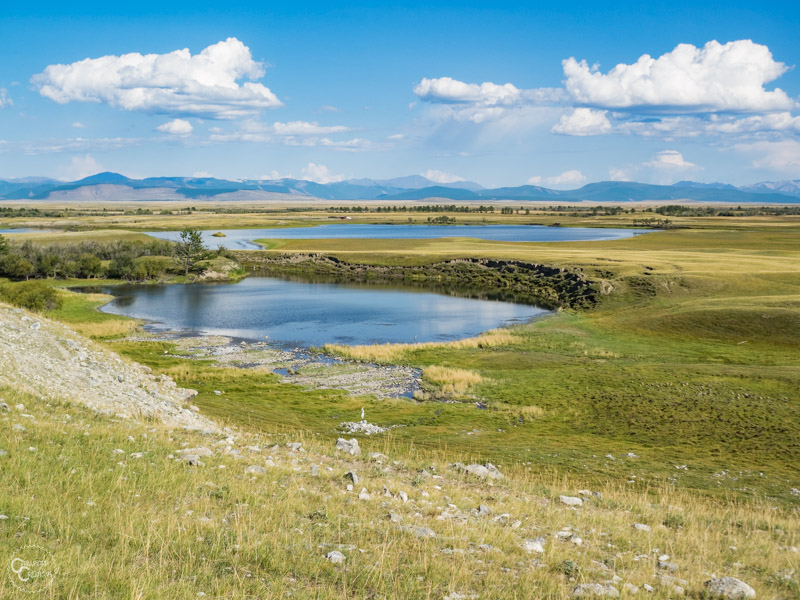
(583, 121)
(670, 160)
(715, 78)
(179, 127)
(320, 174)
(5, 100)
(440, 176)
(177, 83)
(78, 125)
(567, 178)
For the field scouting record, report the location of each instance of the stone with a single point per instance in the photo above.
(335, 557)
(192, 460)
(200, 451)
(641, 527)
(667, 566)
(18, 427)
(351, 476)
(488, 471)
(4, 407)
(348, 446)
(535, 545)
(589, 590)
(483, 510)
(295, 446)
(255, 470)
(630, 588)
(403, 497)
(420, 532)
(364, 494)
(729, 588)
(571, 501)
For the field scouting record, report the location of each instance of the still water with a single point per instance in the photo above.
(242, 239)
(295, 313)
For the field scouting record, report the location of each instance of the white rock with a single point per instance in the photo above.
(200, 451)
(641, 527)
(535, 545)
(255, 470)
(335, 556)
(729, 588)
(571, 501)
(364, 494)
(348, 446)
(587, 590)
(630, 588)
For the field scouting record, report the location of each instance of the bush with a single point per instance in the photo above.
(33, 295)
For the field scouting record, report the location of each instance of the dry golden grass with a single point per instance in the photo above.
(387, 353)
(451, 380)
(122, 517)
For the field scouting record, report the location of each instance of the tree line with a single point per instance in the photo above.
(128, 260)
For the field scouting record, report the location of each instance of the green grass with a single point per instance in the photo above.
(691, 361)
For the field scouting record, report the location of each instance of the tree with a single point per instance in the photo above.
(3, 246)
(190, 248)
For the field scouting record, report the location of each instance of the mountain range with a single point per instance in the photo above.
(115, 187)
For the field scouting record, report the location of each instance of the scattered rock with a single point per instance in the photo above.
(335, 556)
(255, 470)
(588, 590)
(535, 545)
(201, 451)
(348, 446)
(295, 446)
(641, 527)
(630, 588)
(361, 427)
(488, 471)
(571, 500)
(729, 588)
(420, 532)
(364, 494)
(351, 476)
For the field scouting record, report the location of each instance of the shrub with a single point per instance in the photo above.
(33, 295)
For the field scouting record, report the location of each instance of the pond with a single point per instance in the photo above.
(242, 239)
(303, 314)
(18, 230)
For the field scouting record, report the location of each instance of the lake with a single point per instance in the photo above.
(295, 313)
(242, 239)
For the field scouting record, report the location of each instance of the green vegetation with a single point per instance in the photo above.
(33, 295)
(122, 517)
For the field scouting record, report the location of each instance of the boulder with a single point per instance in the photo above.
(729, 588)
(348, 446)
(589, 590)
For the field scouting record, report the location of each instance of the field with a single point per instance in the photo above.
(690, 363)
(675, 398)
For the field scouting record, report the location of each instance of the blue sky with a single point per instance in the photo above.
(455, 90)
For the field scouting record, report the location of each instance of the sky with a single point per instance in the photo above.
(557, 94)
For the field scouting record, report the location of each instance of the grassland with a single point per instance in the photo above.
(677, 398)
(691, 363)
(120, 516)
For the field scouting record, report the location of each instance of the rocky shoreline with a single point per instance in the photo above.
(295, 366)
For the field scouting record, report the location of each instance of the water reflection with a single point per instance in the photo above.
(297, 312)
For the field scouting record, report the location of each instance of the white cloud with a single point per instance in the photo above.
(715, 78)
(320, 174)
(79, 167)
(583, 121)
(670, 160)
(329, 108)
(779, 156)
(396, 136)
(567, 178)
(78, 125)
(615, 174)
(306, 128)
(180, 127)
(440, 176)
(202, 175)
(5, 100)
(177, 83)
